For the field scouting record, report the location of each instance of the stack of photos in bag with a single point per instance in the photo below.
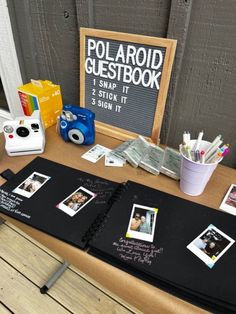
(150, 157)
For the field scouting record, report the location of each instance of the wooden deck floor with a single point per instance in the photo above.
(25, 266)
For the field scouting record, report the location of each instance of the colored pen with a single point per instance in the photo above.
(197, 155)
(198, 141)
(225, 152)
(188, 151)
(210, 152)
(214, 158)
(218, 138)
(188, 137)
(185, 150)
(202, 156)
(184, 138)
(224, 148)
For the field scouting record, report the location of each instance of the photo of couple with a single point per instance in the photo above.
(76, 201)
(142, 223)
(31, 185)
(210, 245)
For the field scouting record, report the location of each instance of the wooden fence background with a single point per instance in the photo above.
(202, 93)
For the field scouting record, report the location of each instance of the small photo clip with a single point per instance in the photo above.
(31, 185)
(210, 245)
(77, 200)
(142, 223)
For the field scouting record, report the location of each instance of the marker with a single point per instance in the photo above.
(188, 151)
(218, 138)
(197, 155)
(184, 138)
(224, 148)
(202, 156)
(198, 141)
(225, 152)
(54, 277)
(213, 149)
(214, 158)
(188, 137)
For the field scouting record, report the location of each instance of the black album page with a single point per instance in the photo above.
(186, 248)
(56, 199)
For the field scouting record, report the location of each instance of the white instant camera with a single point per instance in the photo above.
(24, 135)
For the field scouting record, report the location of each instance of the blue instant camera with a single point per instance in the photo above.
(77, 125)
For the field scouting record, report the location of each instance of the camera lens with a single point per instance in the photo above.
(76, 136)
(22, 131)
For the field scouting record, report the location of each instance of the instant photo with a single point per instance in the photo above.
(113, 161)
(31, 185)
(76, 201)
(142, 223)
(210, 245)
(96, 153)
(229, 202)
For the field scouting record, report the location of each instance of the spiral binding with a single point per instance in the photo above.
(102, 217)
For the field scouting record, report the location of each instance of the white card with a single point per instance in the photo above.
(95, 153)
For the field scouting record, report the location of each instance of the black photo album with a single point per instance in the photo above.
(182, 247)
(56, 199)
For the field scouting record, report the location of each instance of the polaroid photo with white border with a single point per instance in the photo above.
(77, 200)
(229, 202)
(31, 185)
(142, 223)
(96, 153)
(210, 245)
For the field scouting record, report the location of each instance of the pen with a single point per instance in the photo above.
(184, 138)
(54, 277)
(202, 156)
(198, 141)
(188, 151)
(185, 150)
(215, 157)
(224, 148)
(218, 138)
(225, 152)
(213, 149)
(188, 137)
(197, 155)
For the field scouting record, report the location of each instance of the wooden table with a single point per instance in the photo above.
(141, 295)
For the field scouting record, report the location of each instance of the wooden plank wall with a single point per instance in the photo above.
(206, 93)
(201, 94)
